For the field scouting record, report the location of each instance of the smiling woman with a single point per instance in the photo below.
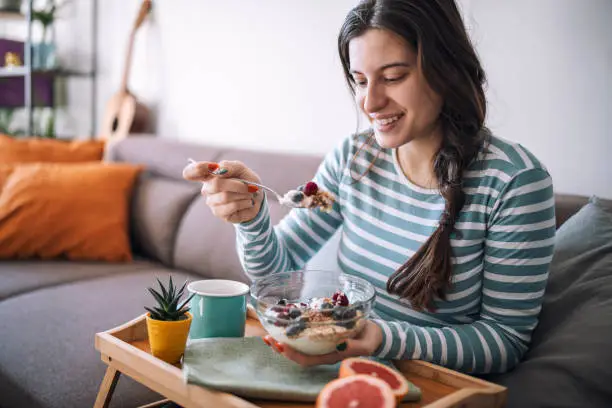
(452, 225)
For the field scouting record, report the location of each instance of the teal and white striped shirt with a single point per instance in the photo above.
(502, 247)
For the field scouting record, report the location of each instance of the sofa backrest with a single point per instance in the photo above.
(171, 223)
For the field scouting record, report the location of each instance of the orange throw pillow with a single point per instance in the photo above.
(33, 149)
(75, 211)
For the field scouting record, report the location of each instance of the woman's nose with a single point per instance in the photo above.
(375, 98)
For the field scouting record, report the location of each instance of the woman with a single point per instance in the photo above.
(454, 226)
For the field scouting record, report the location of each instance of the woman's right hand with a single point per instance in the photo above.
(229, 200)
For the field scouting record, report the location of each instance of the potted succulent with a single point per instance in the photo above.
(168, 323)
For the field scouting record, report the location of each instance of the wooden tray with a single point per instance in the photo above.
(125, 349)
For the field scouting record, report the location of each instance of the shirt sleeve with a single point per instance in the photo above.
(517, 254)
(265, 249)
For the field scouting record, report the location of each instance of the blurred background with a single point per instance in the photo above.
(264, 74)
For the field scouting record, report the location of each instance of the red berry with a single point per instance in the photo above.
(340, 299)
(311, 188)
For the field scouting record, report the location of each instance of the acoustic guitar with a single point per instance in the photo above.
(124, 114)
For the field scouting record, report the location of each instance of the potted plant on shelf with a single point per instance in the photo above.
(168, 323)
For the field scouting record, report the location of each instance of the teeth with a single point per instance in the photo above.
(388, 121)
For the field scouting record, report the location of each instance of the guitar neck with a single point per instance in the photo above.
(128, 63)
(145, 7)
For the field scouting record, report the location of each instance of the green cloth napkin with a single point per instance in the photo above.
(248, 368)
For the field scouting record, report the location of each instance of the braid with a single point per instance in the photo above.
(429, 270)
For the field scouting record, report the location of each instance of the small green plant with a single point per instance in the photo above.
(168, 308)
(46, 16)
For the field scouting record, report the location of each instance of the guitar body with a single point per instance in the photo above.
(124, 115)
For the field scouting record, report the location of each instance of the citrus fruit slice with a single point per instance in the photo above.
(356, 391)
(395, 379)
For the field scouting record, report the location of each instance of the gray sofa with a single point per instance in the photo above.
(50, 311)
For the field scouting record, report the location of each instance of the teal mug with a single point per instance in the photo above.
(218, 307)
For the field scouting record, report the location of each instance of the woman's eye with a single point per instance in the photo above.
(360, 82)
(395, 79)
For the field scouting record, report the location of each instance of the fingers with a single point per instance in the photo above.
(226, 197)
(218, 184)
(228, 209)
(199, 171)
(229, 199)
(233, 168)
(276, 346)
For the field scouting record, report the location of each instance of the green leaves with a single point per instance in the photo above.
(167, 299)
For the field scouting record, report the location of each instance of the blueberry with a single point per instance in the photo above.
(282, 302)
(350, 314)
(295, 329)
(295, 313)
(297, 197)
(301, 188)
(280, 319)
(326, 309)
(341, 313)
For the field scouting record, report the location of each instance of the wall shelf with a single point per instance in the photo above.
(11, 15)
(23, 71)
(28, 73)
(13, 72)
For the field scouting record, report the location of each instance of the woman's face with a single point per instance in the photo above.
(391, 89)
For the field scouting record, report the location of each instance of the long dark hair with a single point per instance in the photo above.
(435, 29)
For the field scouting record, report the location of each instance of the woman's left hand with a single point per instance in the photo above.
(364, 344)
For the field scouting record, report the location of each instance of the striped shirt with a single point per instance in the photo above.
(502, 246)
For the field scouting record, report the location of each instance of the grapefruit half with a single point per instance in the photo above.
(396, 381)
(356, 391)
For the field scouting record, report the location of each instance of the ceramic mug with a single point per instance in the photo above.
(218, 308)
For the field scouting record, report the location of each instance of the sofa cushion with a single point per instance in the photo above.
(18, 277)
(47, 354)
(35, 149)
(76, 211)
(206, 245)
(569, 363)
(158, 204)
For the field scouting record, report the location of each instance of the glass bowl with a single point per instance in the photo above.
(312, 311)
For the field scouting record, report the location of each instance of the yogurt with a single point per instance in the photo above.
(303, 343)
(314, 327)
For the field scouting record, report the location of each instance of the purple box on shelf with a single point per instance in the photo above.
(12, 88)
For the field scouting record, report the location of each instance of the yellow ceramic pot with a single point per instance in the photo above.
(168, 339)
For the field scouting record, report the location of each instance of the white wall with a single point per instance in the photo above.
(264, 74)
(549, 64)
(261, 74)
